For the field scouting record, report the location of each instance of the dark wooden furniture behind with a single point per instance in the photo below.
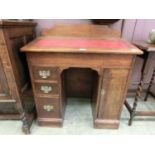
(14, 77)
(110, 61)
(148, 49)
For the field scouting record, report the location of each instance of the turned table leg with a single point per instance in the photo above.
(138, 94)
(27, 119)
(139, 89)
(26, 124)
(150, 84)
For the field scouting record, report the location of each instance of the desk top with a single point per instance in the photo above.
(145, 46)
(81, 45)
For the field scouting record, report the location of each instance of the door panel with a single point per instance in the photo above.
(112, 93)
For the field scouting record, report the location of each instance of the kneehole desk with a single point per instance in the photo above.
(110, 60)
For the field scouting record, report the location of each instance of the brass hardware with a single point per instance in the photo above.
(102, 92)
(48, 107)
(44, 74)
(46, 89)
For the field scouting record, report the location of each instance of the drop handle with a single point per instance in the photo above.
(44, 74)
(48, 108)
(46, 89)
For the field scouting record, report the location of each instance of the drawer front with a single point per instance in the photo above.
(47, 88)
(48, 107)
(45, 73)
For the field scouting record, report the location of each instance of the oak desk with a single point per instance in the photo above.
(110, 60)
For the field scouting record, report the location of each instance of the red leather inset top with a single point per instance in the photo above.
(82, 43)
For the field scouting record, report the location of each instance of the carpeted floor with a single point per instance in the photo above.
(78, 121)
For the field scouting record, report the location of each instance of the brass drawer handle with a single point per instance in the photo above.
(48, 108)
(46, 89)
(44, 74)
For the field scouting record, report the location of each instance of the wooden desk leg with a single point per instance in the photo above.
(150, 84)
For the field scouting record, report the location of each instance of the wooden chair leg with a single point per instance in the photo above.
(150, 85)
(25, 126)
(132, 113)
(131, 118)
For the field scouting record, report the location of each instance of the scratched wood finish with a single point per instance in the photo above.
(110, 73)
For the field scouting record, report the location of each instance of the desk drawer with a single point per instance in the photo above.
(48, 107)
(45, 73)
(47, 88)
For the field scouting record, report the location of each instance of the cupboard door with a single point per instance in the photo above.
(113, 92)
(7, 105)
